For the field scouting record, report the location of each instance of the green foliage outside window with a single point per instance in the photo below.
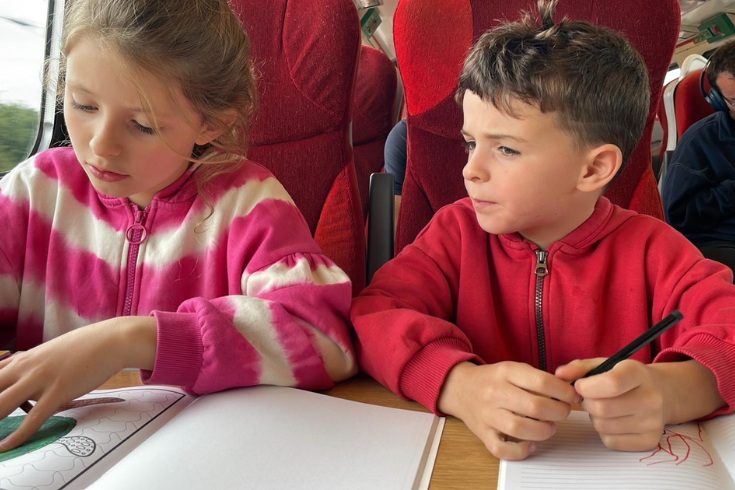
(18, 129)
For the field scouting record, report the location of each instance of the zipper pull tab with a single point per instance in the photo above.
(541, 268)
(136, 233)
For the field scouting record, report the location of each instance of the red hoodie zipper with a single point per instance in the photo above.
(135, 234)
(541, 271)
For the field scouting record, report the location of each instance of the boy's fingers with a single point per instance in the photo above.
(631, 442)
(524, 428)
(501, 446)
(611, 407)
(627, 425)
(538, 407)
(531, 379)
(621, 379)
(577, 368)
(32, 422)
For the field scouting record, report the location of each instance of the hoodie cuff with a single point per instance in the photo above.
(423, 376)
(178, 350)
(715, 355)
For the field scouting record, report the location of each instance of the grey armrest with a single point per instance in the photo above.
(380, 222)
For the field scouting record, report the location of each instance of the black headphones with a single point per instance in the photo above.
(714, 97)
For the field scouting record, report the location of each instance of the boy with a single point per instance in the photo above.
(511, 294)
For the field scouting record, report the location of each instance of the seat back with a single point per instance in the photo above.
(682, 104)
(432, 38)
(306, 67)
(689, 104)
(666, 106)
(373, 115)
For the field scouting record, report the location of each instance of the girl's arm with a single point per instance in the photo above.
(283, 323)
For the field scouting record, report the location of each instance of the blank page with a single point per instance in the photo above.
(576, 459)
(268, 437)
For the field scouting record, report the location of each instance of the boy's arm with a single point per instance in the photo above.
(692, 375)
(406, 338)
(682, 382)
(678, 277)
(705, 295)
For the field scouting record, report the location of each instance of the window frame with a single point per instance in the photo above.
(47, 112)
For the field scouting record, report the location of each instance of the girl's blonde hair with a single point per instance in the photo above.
(197, 46)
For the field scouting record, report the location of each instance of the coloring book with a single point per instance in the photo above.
(692, 456)
(261, 437)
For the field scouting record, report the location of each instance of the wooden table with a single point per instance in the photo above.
(462, 461)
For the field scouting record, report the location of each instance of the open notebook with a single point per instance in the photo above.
(263, 437)
(696, 456)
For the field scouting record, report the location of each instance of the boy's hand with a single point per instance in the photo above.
(626, 404)
(507, 405)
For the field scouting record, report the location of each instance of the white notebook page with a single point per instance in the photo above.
(576, 459)
(721, 431)
(267, 437)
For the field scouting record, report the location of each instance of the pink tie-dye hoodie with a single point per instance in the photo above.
(241, 297)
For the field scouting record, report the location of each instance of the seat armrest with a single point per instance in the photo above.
(380, 237)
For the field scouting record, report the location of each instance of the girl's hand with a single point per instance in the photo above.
(626, 404)
(66, 367)
(507, 405)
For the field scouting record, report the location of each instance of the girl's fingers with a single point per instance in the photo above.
(32, 422)
(5, 380)
(12, 398)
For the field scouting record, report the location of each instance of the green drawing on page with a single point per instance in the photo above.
(51, 431)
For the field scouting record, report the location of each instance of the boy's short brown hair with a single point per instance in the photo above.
(589, 75)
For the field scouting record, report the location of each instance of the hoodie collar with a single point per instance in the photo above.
(182, 189)
(605, 218)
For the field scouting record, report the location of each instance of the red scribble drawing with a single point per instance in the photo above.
(668, 451)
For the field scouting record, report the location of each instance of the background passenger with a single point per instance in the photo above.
(698, 191)
(395, 161)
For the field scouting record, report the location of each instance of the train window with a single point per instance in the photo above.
(22, 53)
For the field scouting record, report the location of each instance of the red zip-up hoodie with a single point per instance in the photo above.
(460, 294)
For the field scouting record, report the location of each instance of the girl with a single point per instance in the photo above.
(152, 243)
